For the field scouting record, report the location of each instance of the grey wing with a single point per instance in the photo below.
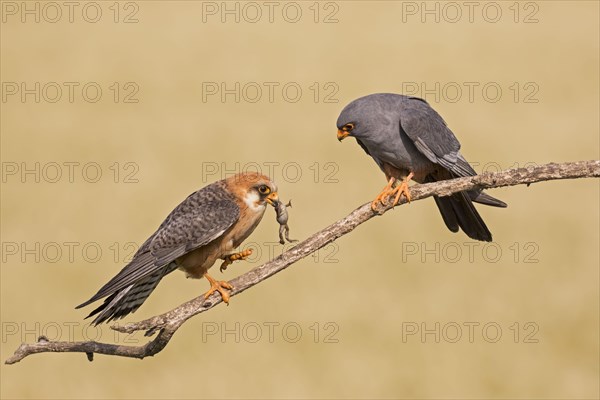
(428, 130)
(432, 137)
(198, 220)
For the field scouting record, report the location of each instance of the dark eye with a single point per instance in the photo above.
(348, 127)
(263, 189)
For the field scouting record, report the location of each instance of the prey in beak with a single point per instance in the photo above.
(273, 199)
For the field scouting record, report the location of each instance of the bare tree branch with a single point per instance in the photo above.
(168, 323)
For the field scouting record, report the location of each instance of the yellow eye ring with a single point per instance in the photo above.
(348, 127)
(264, 189)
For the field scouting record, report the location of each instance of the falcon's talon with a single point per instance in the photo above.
(402, 189)
(385, 193)
(218, 286)
(230, 258)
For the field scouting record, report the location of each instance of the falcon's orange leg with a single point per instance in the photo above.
(389, 191)
(385, 193)
(218, 286)
(228, 259)
(403, 188)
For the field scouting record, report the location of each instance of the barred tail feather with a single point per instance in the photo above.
(130, 298)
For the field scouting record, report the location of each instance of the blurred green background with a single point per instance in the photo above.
(399, 308)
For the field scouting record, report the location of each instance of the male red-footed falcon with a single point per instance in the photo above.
(409, 140)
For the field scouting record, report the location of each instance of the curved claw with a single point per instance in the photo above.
(399, 191)
(385, 193)
(218, 286)
(388, 191)
(228, 259)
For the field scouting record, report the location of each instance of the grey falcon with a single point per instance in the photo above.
(207, 226)
(409, 140)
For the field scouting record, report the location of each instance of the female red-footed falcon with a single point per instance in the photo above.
(205, 227)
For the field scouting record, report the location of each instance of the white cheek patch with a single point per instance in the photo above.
(252, 201)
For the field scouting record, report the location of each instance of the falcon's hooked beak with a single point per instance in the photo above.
(273, 199)
(341, 135)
